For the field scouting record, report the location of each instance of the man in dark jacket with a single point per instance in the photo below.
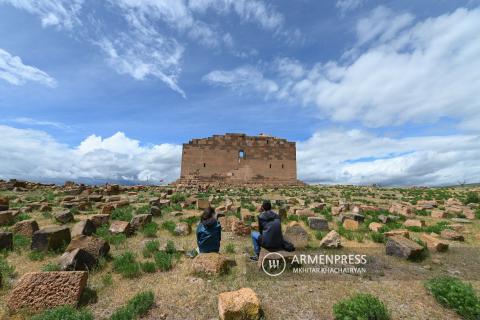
(269, 235)
(209, 232)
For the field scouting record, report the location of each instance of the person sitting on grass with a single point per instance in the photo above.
(209, 232)
(269, 235)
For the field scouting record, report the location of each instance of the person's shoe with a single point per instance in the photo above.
(254, 258)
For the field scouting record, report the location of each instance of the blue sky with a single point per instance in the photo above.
(371, 91)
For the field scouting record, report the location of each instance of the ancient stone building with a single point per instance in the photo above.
(239, 159)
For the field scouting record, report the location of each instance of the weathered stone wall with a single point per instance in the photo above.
(238, 158)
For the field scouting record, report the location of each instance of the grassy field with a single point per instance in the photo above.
(181, 295)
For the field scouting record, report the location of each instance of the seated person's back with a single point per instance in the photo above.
(209, 232)
(270, 228)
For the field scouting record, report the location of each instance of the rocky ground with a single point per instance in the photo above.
(133, 239)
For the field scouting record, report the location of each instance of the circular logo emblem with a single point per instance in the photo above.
(274, 264)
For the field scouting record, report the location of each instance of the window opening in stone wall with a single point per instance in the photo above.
(204, 165)
(241, 154)
(270, 166)
(282, 166)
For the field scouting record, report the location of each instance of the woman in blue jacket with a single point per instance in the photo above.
(209, 232)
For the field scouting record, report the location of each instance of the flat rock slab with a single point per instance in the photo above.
(242, 304)
(433, 243)
(210, 263)
(37, 291)
(51, 238)
(402, 247)
(461, 220)
(318, 223)
(331, 240)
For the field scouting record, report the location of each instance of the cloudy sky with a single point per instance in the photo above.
(372, 91)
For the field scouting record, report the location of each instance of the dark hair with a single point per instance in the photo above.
(207, 213)
(266, 205)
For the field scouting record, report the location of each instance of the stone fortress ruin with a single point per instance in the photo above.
(239, 159)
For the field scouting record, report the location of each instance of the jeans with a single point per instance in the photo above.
(256, 242)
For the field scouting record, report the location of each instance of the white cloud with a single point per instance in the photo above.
(141, 56)
(358, 157)
(248, 10)
(114, 158)
(401, 73)
(15, 72)
(348, 5)
(36, 122)
(59, 13)
(241, 78)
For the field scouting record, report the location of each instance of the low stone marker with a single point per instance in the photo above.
(331, 240)
(433, 243)
(182, 229)
(64, 216)
(140, 220)
(97, 247)
(242, 304)
(375, 226)
(77, 260)
(5, 218)
(210, 263)
(452, 235)
(6, 241)
(100, 219)
(318, 223)
(50, 238)
(350, 224)
(414, 223)
(397, 232)
(26, 227)
(37, 291)
(305, 213)
(202, 204)
(120, 227)
(402, 247)
(84, 227)
(296, 234)
(438, 214)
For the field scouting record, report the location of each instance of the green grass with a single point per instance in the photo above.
(170, 247)
(113, 239)
(164, 260)
(150, 230)
(457, 295)
(22, 216)
(361, 307)
(230, 248)
(191, 220)
(148, 267)
(136, 307)
(64, 313)
(320, 234)
(6, 270)
(123, 214)
(36, 255)
(126, 265)
(144, 209)
(21, 242)
(150, 248)
(169, 225)
(178, 197)
(51, 267)
(107, 280)
(377, 237)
